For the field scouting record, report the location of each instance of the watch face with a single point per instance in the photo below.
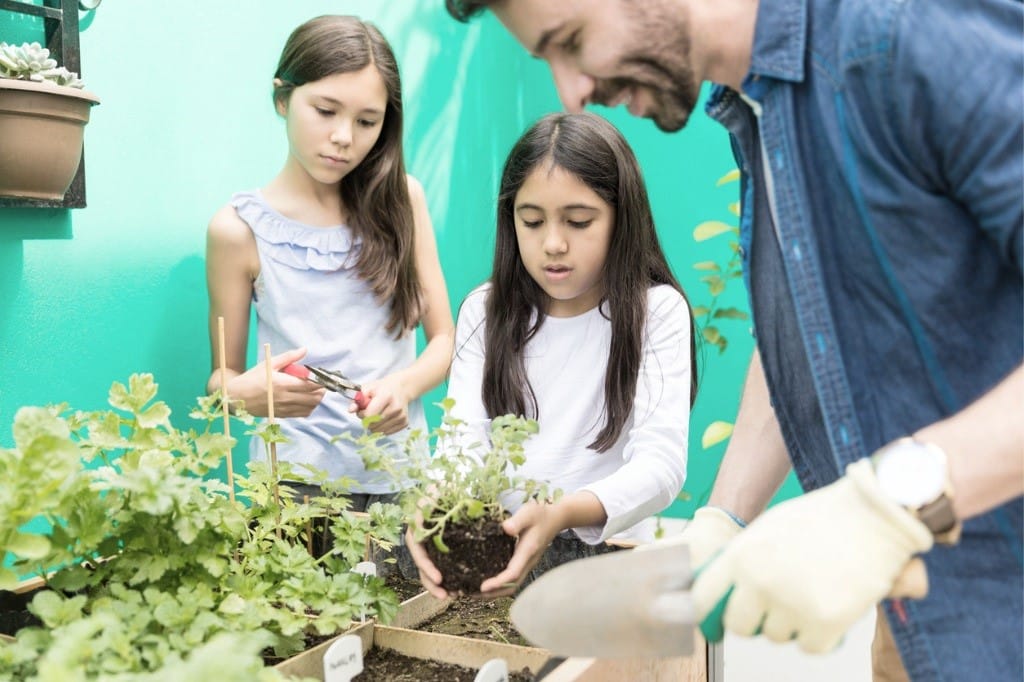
(911, 473)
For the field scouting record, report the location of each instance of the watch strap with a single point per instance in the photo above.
(939, 518)
(937, 515)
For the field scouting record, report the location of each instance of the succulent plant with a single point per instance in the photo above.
(32, 62)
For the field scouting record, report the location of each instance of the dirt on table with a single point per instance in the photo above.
(477, 619)
(384, 665)
(477, 551)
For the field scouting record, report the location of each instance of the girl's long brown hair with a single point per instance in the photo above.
(376, 192)
(595, 152)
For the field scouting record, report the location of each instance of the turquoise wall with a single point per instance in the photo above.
(92, 295)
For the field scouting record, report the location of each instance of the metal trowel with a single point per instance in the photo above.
(624, 604)
(635, 604)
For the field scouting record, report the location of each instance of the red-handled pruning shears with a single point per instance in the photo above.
(331, 380)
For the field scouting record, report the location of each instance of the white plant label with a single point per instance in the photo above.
(344, 659)
(494, 670)
(366, 568)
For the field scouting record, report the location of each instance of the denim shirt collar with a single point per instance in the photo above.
(780, 36)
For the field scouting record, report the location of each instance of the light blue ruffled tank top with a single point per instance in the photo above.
(308, 293)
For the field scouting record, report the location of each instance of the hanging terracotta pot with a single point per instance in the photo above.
(41, 130)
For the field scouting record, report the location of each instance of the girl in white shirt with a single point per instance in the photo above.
(583, 327)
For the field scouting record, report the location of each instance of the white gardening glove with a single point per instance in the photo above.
(709, 531)
(810, 567)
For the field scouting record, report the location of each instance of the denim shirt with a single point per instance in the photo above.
(881, 148)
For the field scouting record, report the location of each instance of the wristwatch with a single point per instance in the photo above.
(915, 475)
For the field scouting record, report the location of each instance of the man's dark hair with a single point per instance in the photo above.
(464, 10)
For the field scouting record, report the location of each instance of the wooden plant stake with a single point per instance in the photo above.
(224, 405)
(270, 420)
(309, 528)
(365, 515)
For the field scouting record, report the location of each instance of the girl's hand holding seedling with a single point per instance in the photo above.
(430, 577)
(535, 525)
(389, 400)
(453, 504)
(293, 397)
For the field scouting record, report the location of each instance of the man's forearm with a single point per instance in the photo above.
(985, 446)
(756, 461)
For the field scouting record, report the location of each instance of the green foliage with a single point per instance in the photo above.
(172, 564)
(467, 478)
(709, 315)
(32, 62)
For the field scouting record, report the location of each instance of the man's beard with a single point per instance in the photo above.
(660, 66)
(672, 100)
(674, 93)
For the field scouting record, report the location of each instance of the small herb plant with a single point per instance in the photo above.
(32, 62)
(455, 498)
(173, 567)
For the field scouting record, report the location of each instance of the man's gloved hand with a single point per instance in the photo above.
(709, 531)
(808, 568)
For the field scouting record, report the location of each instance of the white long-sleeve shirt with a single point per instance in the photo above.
(642, 473)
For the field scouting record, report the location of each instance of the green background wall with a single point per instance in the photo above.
(92, 295)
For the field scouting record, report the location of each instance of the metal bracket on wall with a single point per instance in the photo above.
(60, 21)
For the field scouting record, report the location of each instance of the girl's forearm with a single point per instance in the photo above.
(580, 510)
(213, 383)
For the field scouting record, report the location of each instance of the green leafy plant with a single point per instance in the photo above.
(719, 274)
(465, 481)
(461, 487)
(712, 313)
(32, 62)
(170, 562)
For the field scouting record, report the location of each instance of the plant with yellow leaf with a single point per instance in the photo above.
(710, 315)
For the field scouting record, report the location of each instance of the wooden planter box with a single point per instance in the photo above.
(411, 612)
(704, 666)
(473, 653)
(689, 669)
(418, 610)
(17, 600)
(462, 651)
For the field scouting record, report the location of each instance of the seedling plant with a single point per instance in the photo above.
(456, 500)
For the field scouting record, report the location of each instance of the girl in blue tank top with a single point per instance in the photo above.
(338, 256)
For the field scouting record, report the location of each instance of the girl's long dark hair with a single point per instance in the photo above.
(376, 192)
(592, 150)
